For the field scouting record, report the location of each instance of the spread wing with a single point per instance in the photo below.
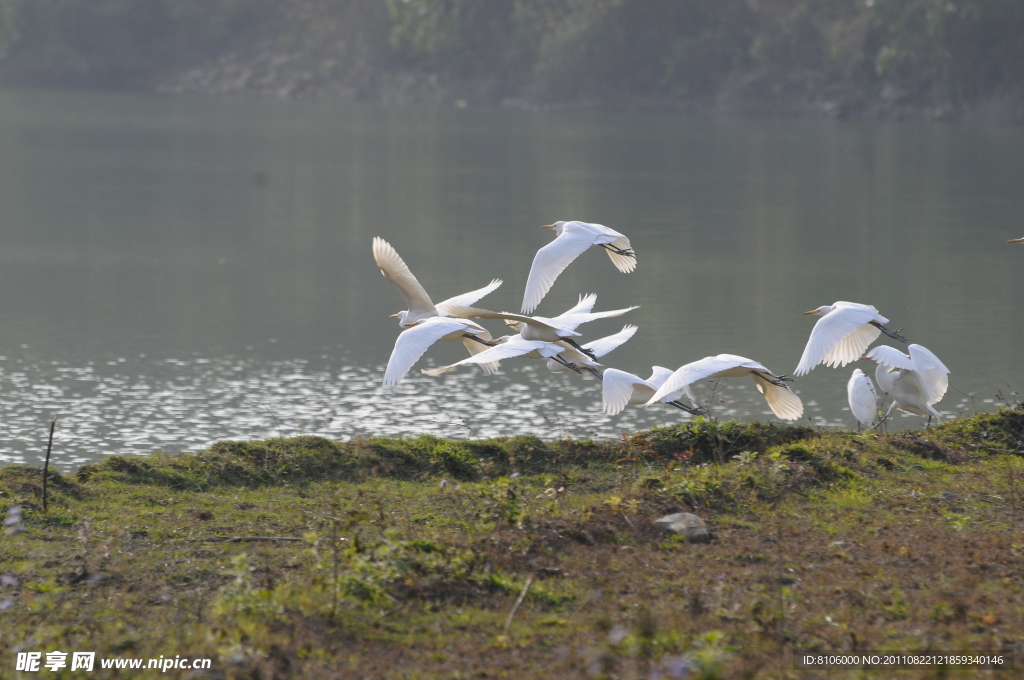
(397, 272)
(891, 357)
(934, 374)
(781, 400)
(453, 305)
(516, 346)
(474, 347)
(839, 337)
(617, 388)
(692, 372)
(572, 321)
(550, 261)
(413, 342)
(602, 346)
(862, 396)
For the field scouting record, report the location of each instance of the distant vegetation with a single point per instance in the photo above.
(849, 58)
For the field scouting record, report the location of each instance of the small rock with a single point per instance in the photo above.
(948, 496)
(684, 524)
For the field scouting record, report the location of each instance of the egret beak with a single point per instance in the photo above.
(394, 316)
(813, 311)
(551, 226)
(1016, 240)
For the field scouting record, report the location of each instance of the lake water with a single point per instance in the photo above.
(177, 270)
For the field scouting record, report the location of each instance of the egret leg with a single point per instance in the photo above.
(928, 425)
(895, 335)
(588, 352)
(776, 380)
(492, 343)
(625, 252)
(593, 370)
(568, 364)
(683, 407)
(886, 416)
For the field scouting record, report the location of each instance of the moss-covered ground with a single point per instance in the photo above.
(412, 554)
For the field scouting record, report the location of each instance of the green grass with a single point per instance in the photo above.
(414, 551)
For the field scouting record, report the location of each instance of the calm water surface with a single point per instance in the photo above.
(174, 271)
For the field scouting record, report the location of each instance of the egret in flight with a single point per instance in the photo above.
(571, 240)
(562, 327)
(781, 400)
(599, 347)
(863, 398)
(620, 389)
(507, 347)
(914, 381)
(841, 335)
(417, 339)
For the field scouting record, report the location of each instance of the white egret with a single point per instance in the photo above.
(914, 381)
(507, 347)
(394, 269)
(841, 335)
(781, 400)
(599, 347)
(620, 389)
(1016, 240)
(562, 327)
(863, 398)
(572, 239)
(415, 340)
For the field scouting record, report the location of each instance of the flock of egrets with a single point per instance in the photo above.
(915, 381)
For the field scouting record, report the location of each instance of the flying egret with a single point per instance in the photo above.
(394, 269)
(599, 347)
(781, 400)
(620, 389)
(572, 238)
(914, 381)
(1016, 240)
(415, 340)
(507, 347)
(863, 398)
(841, 335)
(562, 327)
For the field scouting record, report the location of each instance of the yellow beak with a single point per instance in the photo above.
(548, 226)
(1016, 240)
(393, 316)
(813, 311)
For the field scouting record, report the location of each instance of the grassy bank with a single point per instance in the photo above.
(413, 553)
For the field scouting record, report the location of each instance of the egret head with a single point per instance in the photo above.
(402, 319)
(557, 226)
(821, 311)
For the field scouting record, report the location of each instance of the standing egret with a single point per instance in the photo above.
(863, 398)
(394, 269)
(599, 347)
(572, 238)
(1016, 240)
(620, 389)
(841, 335)
(781, 400)
(415, 340)
(914, 381)
(507, 347)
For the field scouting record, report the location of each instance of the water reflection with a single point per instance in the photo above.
(235, 236)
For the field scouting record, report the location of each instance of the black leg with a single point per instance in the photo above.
(492, 343)
(683, 407)
(619, 251)
(588, 352)
(776, 380)
(895, 335)
(568, 364)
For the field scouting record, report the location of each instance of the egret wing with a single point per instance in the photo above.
(839, 337)
(584, 306)
(604, 345)
(886, 376)
(934, 374)
(394, 269)
(453, 305)
(572, 321)
(891, 357)
(692, 372)
(550, 261)
(659, 374)
(783, 402)
(516, 346)
(413, 342)
(474, 347)
(617, 388)
(624, 263)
